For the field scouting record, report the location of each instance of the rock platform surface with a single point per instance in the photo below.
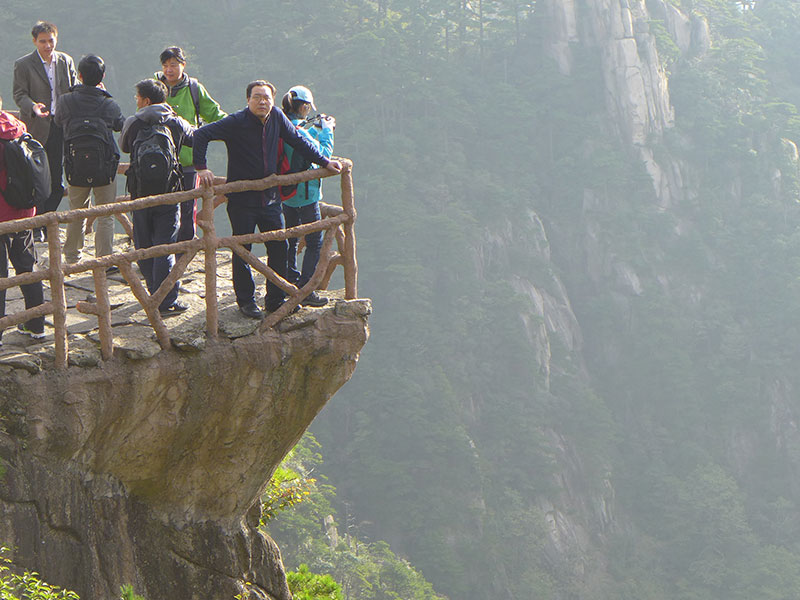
(146, 469)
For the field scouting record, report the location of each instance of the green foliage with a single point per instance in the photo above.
(310, 543)
(28, 586)
(285, 489)
(305, 585)
(127, 593)
(668, 51)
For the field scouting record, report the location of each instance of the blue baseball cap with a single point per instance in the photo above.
(301, 92)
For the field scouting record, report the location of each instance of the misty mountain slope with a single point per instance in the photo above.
(578, 225)
(635, 437)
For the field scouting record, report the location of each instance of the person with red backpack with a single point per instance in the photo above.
(17, 247)
(301, 202)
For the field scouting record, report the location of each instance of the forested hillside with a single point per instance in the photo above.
(581, 381)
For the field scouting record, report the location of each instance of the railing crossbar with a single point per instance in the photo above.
(336, 222)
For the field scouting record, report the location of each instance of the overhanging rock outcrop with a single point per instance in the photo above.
(148, 472)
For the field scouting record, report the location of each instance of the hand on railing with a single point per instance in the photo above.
(205, 177)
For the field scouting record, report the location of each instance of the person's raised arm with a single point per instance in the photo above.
(301, 144)
(115, 117)
(220, 130)
(185, 131)
(325, 137)
(210, 110)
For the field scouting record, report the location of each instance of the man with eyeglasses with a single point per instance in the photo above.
(251, 137)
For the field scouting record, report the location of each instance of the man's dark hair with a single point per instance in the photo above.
(173, 52)
(92, 69)
(258, 82)
(43, 27)
(153, 90)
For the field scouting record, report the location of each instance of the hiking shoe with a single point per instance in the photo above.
(23, 328)
(173, 309)
(314, 299)
(251, 311)
(112, 269)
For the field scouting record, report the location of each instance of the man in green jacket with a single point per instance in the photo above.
(189, 98)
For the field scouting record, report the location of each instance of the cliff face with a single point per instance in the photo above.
(636, 85)
(581, 510)
(142, 471)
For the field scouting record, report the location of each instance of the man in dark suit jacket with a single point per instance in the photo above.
(39, 79)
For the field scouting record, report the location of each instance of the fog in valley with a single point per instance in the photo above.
(579, 225)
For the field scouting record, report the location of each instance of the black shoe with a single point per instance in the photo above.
(314, 299)
(23, 328)
(173, 309)
(112, 269)
(251, 311)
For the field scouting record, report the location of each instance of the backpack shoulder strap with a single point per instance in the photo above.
(194, 90)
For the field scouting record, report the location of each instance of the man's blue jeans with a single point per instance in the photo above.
(299, 216)
(154, 226)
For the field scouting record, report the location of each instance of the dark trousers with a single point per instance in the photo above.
(245, 220)
(18, 248)
(299, 216)
(186, 229)
(54, 147)
(152, 227)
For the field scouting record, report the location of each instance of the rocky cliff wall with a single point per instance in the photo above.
(148, 471)
(581, 508)
(636, 83)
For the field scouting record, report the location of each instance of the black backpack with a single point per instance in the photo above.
(28, 172)
(155, 168)
(91, 158)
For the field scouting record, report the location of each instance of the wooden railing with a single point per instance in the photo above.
(337, 223)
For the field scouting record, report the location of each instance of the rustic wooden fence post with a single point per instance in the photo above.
(350, 262)
(58, 295)
(206, 222)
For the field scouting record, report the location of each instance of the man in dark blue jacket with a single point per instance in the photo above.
(251, 137)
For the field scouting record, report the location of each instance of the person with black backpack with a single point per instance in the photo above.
(301, 202)
(191, 100)
(153, 137)
(88, 115)
(17, 247)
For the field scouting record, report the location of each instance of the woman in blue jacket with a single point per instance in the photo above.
(301, 202)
